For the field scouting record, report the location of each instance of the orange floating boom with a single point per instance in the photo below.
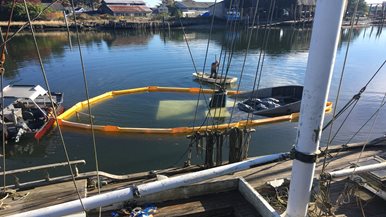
(173, 131)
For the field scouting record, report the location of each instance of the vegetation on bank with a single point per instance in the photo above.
(35, 7)
(19, 12)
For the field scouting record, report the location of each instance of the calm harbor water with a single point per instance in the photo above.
(122, 60)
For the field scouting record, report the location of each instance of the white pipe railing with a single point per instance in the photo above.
(127, 194)
(324, 42)
(361, 169)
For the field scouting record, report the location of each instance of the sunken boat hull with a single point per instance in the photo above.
(287, 100)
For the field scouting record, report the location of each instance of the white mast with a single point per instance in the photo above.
(324, 42)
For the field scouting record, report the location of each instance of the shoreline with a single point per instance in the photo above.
(149, 24)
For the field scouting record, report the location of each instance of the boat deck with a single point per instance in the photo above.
(41, 197)
(218, 204)
(227, 204)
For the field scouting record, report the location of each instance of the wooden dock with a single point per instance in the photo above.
(215, 196)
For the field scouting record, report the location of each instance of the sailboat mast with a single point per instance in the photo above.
(324, 42)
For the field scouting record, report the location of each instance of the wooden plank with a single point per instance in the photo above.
(41, 197)
(257, 201)
(256, 177)
(208, 205)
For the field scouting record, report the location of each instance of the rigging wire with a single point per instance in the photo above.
(222, 46)
(2, 71)
(340, 83)
(203, 71)
(259, 71)
(375, 114)
(360, 129)
(229, 60)
(245, 58)
(199, 81)
(210, 37)
(52, 103)
(356, 97)
(206, 57)
(231, 45)
(88, 102)
(3, 127)
(353, 102)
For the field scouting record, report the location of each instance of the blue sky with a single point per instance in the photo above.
(153, 3)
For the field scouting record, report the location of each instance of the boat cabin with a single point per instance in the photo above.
(27, 108)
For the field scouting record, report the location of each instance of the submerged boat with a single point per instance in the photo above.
(272, 101)
(219, 80)
(28, 110)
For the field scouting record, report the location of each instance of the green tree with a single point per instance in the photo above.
(362, 7)
(19, 13)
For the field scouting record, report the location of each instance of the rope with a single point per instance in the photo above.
(2, 199)
(88, 99)
(2, 56)
(2, 71)
(52, 103)
(88, 103)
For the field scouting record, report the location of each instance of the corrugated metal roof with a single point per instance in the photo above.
(129, 9)
(193, 4)
(123, 2)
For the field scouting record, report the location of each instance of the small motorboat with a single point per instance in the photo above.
(219, 80)
(28, 110)
(271, 102)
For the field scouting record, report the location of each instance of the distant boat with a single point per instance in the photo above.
(219, 80)
(27, 110)
(273, 101)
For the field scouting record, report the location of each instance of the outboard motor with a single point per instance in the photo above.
(219, 99)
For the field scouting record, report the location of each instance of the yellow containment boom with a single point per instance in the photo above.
(176, 130)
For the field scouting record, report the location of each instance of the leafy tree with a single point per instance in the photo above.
(19, 12)
(362, 7)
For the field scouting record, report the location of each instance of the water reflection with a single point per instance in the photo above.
(126, 59)
(281, 40)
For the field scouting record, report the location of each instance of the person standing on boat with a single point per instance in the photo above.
(213, 69)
